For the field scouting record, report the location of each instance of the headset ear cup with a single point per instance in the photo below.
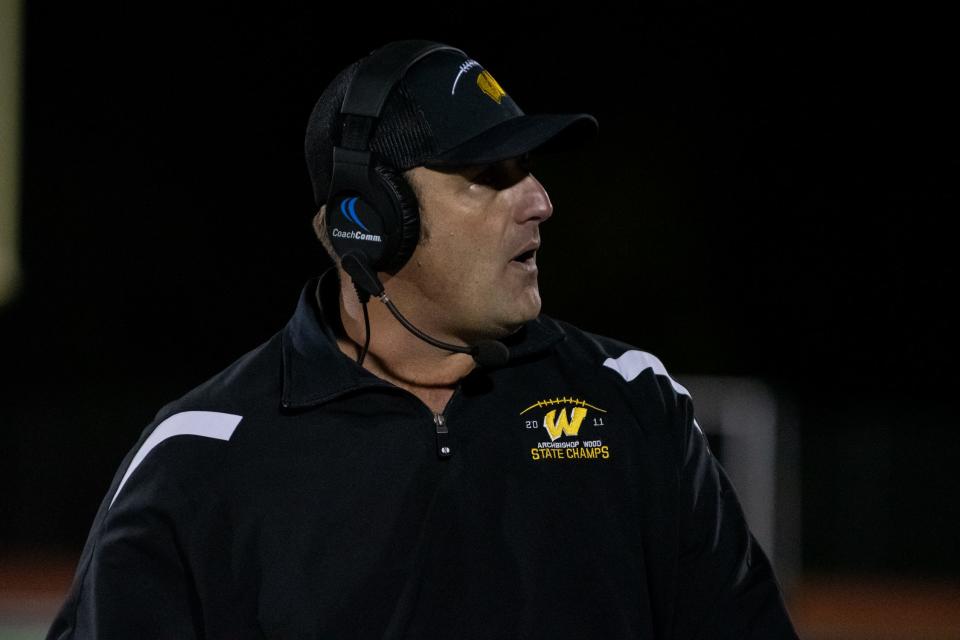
(408, 231)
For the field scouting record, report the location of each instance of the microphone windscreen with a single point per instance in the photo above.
(491, 353)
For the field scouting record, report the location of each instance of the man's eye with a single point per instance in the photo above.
(484, 177)
(500, 173)
(526, 164)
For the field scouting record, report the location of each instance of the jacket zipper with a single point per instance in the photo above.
(443, 439)
(444, 449)
(443, 433)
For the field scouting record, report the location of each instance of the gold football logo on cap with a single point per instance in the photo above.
(490, 86)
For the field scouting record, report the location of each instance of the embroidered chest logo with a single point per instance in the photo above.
(562, 419)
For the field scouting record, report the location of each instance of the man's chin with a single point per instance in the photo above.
(496, 326)
(511, 329)
(510, 326)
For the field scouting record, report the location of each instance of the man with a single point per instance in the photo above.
(448, 464)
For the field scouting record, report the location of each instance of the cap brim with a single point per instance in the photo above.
(545, 132)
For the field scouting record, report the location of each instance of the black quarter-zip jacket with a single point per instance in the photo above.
(297, 495)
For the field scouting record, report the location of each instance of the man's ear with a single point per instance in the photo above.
(317, 220)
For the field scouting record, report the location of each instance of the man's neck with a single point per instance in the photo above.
(394, 353)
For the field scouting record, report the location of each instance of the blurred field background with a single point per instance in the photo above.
(768, 210)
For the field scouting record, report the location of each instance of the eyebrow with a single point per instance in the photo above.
(522, 160)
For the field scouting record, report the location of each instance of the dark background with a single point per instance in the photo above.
(770, 195)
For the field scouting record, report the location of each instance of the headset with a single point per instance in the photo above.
(372, 195)
(377, 211)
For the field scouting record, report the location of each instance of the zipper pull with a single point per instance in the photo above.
(443, 439)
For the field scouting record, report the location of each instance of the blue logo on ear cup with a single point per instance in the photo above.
(352, 214)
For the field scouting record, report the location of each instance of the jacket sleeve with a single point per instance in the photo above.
(132, 580)
(726, 586)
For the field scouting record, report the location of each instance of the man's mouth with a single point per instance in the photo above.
(526, 256)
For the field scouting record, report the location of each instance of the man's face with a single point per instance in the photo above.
(480, 219)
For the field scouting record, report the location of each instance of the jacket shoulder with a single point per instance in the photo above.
(632, 366)
(252, 380)
(213, 412)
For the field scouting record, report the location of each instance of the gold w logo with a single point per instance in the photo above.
(490, 86)
(555, 426)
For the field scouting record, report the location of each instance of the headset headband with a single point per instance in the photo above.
(376, 76)
(386, 232)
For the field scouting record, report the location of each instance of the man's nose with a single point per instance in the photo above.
(535, 202)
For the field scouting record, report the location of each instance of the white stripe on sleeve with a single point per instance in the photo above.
(209, 424)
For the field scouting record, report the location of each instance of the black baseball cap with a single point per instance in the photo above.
(446, 111)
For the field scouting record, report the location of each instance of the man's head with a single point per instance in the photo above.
(477, 252)
(461, 145)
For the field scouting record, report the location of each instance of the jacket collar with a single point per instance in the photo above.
(314, 368)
